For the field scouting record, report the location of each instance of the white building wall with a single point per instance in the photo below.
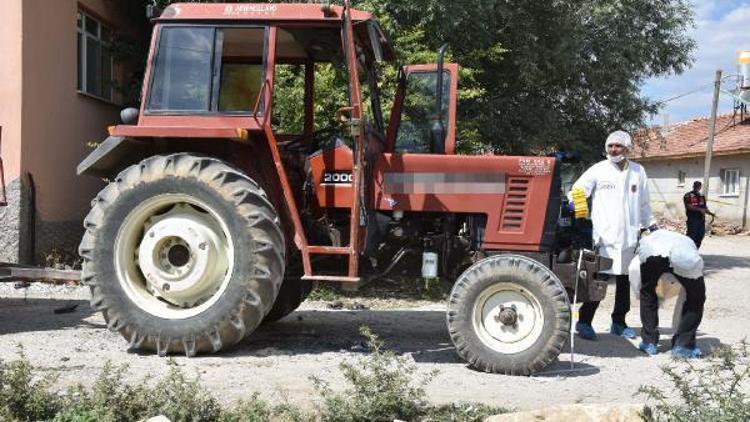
(666, 193)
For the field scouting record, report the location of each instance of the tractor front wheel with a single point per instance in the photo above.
(182, 254)
(508, 314)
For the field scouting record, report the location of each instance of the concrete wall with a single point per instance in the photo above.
(58, 122)
(666, 194)
(11, 103)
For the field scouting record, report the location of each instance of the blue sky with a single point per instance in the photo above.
(722, 28)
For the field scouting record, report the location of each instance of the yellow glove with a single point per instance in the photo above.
(579, 202)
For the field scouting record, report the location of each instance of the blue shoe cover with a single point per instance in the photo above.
(586, 331)
(648, 348)
(686, 352)
(622, 330)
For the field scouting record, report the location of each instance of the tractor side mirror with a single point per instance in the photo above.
(437, 137)
(153, 12)
(373, 33)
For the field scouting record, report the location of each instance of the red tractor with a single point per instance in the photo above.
(214, 222)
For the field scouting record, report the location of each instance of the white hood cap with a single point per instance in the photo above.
(619, 137)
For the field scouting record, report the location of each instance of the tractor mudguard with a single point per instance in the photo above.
(112, 155)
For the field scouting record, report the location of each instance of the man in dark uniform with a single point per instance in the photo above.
(696, 210)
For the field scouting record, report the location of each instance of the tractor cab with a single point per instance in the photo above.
(265, 73)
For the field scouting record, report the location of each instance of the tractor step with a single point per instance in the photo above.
(329, 250)
(350, 282)
(336, 278)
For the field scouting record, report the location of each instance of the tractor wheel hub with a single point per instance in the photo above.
(182, 256)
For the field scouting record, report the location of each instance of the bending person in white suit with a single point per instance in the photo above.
(669, 252)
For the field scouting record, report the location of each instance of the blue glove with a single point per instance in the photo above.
(652, 228)
(571, 207)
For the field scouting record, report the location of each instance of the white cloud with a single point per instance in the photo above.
(739, 15)
(721, 32)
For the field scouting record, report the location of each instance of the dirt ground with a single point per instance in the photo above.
(278, 360)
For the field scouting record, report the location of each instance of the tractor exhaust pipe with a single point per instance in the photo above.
(437, 131)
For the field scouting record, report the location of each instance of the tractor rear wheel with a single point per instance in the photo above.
(508, 314)
(182, 254)
(293, 292)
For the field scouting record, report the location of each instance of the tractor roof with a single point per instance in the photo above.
(258, 11)
(296, 14)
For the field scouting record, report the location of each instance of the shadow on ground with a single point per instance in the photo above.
(563, 368)
(606, 346)
(714, 263)
(706, 344)
(423, 334)
(29, 315)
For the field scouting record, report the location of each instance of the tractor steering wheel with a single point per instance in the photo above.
(300, 143)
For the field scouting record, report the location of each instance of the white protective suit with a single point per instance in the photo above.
(620, 208)
(679, 249)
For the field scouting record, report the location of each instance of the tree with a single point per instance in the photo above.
(540, 75)
(568, 72)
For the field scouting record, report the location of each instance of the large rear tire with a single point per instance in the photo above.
(293, 292)
(182, 254)
(508, 314)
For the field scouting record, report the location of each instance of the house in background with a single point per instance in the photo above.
(674, 159)
(56, 95)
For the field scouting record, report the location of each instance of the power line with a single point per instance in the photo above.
(685, 94)
(677, 97)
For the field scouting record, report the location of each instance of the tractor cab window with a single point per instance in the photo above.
(369, 78)
(418, 111)
(203, 69)
(182, 70)
(241, 68)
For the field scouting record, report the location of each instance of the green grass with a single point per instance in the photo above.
(324, 292)
(397, 287)
(715, 389)
(380, 386)
(383, 387)
(24, 394)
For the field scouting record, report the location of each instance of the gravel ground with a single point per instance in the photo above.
(278, 360)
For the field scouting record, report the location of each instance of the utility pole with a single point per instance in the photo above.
(711, 133)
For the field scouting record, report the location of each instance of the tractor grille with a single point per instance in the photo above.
(516, 200)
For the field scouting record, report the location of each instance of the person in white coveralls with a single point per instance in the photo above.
(618, 189)
(669, 252)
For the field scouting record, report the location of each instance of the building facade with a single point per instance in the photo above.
(57, 96)
(675, 158)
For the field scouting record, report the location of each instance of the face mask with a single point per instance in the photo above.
(615, 158)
